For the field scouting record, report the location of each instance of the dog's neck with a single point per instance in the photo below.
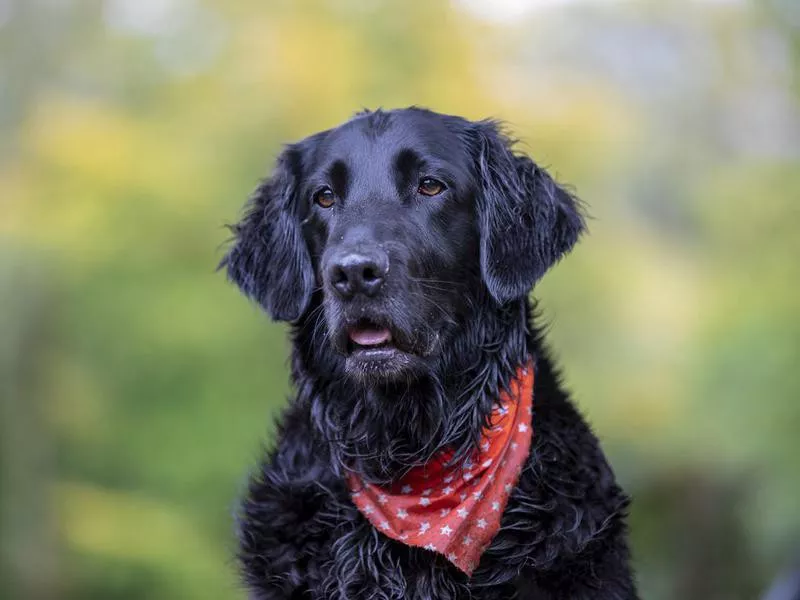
(382, 431)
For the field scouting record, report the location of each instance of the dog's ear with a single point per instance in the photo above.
(269, 259)
(526, 221)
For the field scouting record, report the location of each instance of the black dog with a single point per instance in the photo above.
(402, 246)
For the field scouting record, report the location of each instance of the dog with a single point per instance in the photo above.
(401, 247)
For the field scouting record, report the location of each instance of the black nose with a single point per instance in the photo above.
(356, 273)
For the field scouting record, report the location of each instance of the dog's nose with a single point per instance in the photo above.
(355, 273)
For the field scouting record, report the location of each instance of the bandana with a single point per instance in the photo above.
(456, 511)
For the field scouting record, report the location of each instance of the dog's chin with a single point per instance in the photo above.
(374, 366)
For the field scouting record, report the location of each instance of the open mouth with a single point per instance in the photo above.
(376, 351)
(370, 339)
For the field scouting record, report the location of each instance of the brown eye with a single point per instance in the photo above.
(430, 187)
(325, 197)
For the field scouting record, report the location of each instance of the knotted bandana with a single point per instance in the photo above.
(456, 511)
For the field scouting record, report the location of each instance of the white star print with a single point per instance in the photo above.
(444, 512)
(424, 526)
(368, 510)
(424, 501)
(462, 512)
(447, 491)
(430, 547)
(406, 489)
(401, 514)
(463, 497)
(478, 495)
(508, 487)
(382, 499)
(514, 445)
(495, 506)
(481, 524)
(523, 428)
(467, 476)
(451, 557)
(446, 531)
(426, 492)
(485, 446)
(467, 540)
(403, 536)
(384, 524)
(448, 479)
(487, 463)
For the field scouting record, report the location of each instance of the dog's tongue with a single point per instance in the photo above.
(367, 336)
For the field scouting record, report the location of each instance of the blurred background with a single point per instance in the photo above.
(137, 387)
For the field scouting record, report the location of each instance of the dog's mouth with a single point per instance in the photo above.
(368, 339)
(376, 350)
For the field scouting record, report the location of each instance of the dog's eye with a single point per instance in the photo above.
(430, 187)
(325, 197)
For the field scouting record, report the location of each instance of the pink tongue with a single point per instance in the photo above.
(370, 337)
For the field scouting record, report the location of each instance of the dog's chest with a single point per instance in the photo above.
(362, 561)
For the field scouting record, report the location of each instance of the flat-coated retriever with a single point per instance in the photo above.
(401, 246)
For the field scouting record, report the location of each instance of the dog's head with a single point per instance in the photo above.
(395, 225)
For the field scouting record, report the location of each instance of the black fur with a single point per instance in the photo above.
(455, 300)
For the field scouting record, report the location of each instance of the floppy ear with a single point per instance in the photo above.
(269, 260)
(526, 221)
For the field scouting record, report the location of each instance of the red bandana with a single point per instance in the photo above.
(457, 512)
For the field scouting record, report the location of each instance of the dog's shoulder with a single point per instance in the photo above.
(567, 482)
(285, 514)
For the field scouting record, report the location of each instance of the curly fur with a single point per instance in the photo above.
(563, 532)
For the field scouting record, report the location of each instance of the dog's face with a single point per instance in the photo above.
(392, 226)
(388, 229)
